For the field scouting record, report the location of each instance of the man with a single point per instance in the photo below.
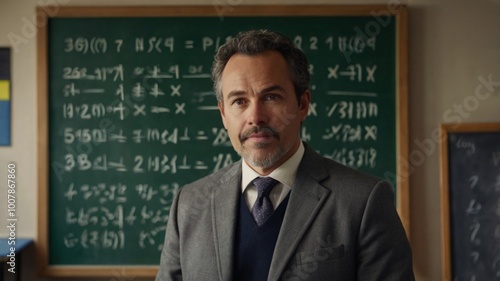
(320, 221)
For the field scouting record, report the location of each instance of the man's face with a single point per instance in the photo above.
(260, 111)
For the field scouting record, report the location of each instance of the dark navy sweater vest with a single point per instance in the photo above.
(255, 245)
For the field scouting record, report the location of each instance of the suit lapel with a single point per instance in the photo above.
(306, 198)
(224, 210)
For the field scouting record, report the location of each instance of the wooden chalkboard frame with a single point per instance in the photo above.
(446, 129)
(45, 13)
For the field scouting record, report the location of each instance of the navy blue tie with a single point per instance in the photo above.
(263, 207)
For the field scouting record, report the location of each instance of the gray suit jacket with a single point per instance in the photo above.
(339, 224)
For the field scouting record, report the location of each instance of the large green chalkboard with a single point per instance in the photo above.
(131, 117)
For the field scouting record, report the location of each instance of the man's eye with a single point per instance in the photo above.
(271, 97)
(239, 102)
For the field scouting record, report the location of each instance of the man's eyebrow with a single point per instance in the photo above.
(239, 93)
(273, 88)
(235, 93)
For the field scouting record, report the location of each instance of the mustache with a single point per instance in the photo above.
(259, 129)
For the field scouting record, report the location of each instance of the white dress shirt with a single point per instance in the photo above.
(285, 174)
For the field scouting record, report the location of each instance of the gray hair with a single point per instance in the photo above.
(255, 42)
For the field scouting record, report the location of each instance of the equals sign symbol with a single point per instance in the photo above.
(189, 44)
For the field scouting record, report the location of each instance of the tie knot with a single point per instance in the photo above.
(264, 185)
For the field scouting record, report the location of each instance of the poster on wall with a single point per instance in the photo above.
(5, 97)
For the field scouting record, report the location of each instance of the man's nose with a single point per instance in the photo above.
(257, 114)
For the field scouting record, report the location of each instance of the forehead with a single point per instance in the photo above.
(254, 71)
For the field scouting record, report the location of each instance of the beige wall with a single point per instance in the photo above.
(452, 44)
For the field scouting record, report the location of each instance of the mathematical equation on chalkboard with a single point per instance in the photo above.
(475, 200)
(131, 132)
(99, 45)
(118, 216)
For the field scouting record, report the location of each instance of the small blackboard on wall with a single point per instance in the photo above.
(470, 196)
(127, 116)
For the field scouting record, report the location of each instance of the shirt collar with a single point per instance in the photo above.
(285, 173)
